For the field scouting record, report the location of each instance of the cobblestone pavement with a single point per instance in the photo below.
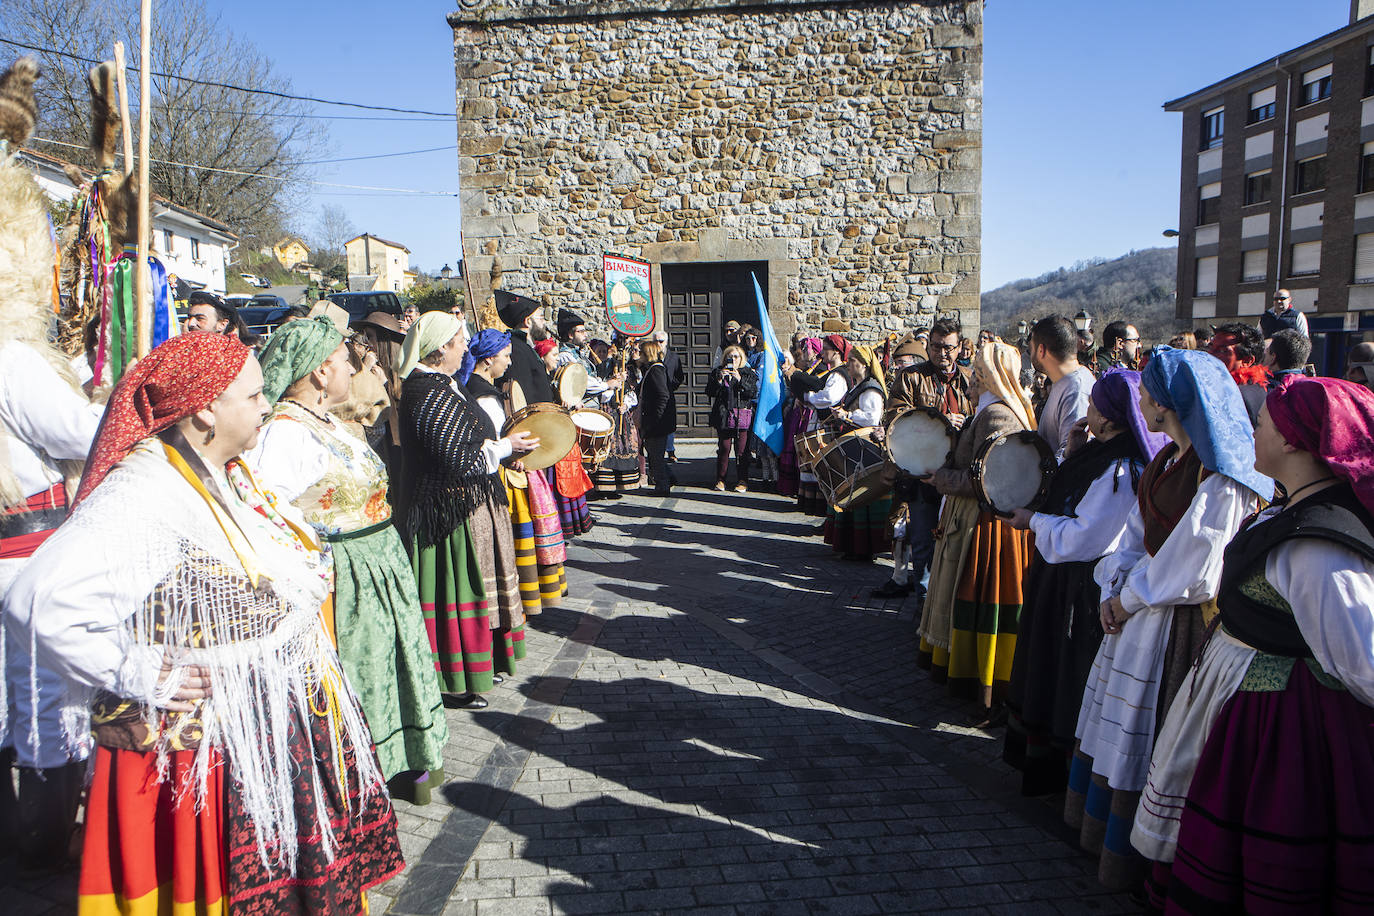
(720, 720)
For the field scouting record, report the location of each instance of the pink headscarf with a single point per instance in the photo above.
(1334, 420)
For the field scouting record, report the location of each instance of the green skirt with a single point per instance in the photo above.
(466, 650)
(386, 653)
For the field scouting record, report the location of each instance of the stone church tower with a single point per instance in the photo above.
(832, 149)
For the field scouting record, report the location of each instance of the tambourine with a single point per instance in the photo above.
(570, 384)
(920, 440)
(551, 425)
(1012, 472)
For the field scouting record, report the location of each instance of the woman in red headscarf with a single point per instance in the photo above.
(233, 769)
(1261, 790)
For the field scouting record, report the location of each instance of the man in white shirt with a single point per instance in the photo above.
(1054, 351)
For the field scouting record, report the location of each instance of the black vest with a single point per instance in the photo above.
(1271, 324)
(1081, 469)
(1250, 609)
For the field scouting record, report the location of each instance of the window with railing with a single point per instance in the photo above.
(1258, 187)
(1316, 85)
(1261, 105)
(1213, 124)
(1310, 175)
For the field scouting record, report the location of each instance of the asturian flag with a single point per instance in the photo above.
(768, 414)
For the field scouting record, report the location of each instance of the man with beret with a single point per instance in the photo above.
(938, 383)
(522, 315)
(572, 348)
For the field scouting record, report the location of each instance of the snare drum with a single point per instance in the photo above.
(849, 472)
(810, 445)
(919, 441)
(551, 425)
(1013, 471)
(570, 384)
(595, 429)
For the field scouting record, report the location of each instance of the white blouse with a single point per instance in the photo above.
(1187, 568)
(831, 394)
(1099, 526)
(868, 411)
(1331, 591)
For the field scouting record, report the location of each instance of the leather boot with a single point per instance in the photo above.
(48, 800)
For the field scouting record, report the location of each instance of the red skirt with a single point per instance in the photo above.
(149, 851)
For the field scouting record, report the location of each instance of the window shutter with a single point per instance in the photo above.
(1255, 264)
(1307, 258)
(1207, 276)
(1311, 76)
(1364, 258)
(1262, 97)
(1209, 191)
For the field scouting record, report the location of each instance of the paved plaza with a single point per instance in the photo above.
(720, 720)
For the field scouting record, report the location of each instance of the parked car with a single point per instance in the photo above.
(360, 305)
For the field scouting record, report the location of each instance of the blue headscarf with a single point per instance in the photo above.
(1196, 386)
(1117, 397)
(485, 344)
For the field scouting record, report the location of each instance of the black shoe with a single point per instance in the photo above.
(890, 589)
(465, 701)
(498, 678)
(663, 491)
(857, 558)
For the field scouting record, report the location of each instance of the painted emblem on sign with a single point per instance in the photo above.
(629, 297)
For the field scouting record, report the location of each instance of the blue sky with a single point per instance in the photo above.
(1079, 159)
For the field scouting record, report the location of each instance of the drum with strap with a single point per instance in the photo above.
(1012, 471)
(849, 472)
(595, 429)
(920, 440)
(570, 384)
(551, 425)
(810, 445)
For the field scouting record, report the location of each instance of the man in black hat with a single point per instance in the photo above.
(521, 314)
(572, 348)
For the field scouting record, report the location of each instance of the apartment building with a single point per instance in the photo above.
(1277, 190)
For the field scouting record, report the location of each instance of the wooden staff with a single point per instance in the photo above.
(126, 128)
(143, 324)
(469, 305)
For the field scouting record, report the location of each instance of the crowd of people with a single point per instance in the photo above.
(1179, 635)
(282, 560)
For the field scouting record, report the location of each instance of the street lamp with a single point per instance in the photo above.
(446, 273)
(1022, 329)
(1170, 233)
(1083, 321)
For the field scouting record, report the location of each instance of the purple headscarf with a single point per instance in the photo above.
(1117, 397)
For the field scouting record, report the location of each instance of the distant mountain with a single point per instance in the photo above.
(1137, 287)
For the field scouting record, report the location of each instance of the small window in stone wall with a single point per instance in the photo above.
(1258, 187)
(1310, 175)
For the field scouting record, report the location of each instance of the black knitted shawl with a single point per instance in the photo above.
(445, 473)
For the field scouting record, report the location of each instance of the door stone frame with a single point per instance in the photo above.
(715, 246)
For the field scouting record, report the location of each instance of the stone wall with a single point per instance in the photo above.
(845, 138)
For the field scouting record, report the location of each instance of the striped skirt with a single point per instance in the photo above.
(541, 584)
(860, 532)
(987, 607)
(148, 850)
(456, 611)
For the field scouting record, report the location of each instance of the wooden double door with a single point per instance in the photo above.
(701, 298)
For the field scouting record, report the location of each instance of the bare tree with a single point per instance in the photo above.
(333, 228)
(236, 157)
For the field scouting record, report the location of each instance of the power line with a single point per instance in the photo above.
(413, 152)
(326, 184)
(215, 85)
(282, 114)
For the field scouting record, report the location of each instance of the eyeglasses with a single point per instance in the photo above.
(1281, 299)
(944, 348)
(1131, 339)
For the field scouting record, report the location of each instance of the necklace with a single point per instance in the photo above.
(327, 420)
(1288, 500)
